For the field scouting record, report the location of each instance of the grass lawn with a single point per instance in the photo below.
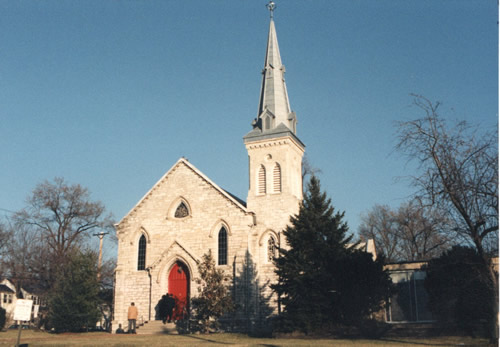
(32, 338)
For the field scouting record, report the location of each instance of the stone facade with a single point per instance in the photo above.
(170, 239)
(184, 215)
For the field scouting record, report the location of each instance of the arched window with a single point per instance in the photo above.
(271, 249)
(262, 180)
(277, 178)
(141, 257)
(222, 246)
(181, 211)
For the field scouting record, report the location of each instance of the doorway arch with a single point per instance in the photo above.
(178, 286)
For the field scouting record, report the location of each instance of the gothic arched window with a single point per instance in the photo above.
(262, 180)
(277, 178)
(181, 211)
(141, 257)
(222, 246)
(271, 249)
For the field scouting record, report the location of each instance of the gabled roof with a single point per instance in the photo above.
(367, 246)
(182, 161)
(5, 289)
(172, 246)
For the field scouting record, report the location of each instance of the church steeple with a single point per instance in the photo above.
(274, 107)
(273, 94)
(274, 150)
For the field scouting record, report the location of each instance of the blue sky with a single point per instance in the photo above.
(109, 94)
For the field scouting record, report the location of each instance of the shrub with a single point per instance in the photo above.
(3, 317)
(214, 300)
(460, 290)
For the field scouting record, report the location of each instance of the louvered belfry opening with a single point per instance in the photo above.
(262, 180)
(277, 178)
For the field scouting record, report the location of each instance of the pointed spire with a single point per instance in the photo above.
(274, 106)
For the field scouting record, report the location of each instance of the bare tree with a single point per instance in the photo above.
(5, 239)
(380, 225)
(458, 174)
(58, 218)
(308, 170)
(412, 232)
(422, 231)
(26, 260)
(108, 273)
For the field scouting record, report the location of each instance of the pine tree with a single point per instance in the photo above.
(319, 271)
(214, 299)
(74, 300)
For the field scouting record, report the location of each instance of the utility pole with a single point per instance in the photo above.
(101, 236)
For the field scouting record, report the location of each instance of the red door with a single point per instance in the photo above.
(178, 286)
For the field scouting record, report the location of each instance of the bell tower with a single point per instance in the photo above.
(274, 150)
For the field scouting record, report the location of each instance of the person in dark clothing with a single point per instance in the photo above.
(162, 309)
(170, 306)
(120, 329)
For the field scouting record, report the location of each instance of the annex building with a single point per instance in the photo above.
(185, 215)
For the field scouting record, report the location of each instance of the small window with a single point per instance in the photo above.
(271, 249)
(267, 123)
(5, 298)
(262, 180)
(181, 211)
(141, 258)
(10, 298)
(223, 246)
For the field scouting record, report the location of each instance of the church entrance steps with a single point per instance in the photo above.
(412, 329)
(157, 327)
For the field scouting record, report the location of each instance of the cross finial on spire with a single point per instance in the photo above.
(271, 6)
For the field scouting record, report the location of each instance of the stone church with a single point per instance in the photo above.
(185, 214)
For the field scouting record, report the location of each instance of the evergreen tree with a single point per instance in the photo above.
(74, 299)
(214, 299)
(322, 278)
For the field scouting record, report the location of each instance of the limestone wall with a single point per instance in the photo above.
(170, 239)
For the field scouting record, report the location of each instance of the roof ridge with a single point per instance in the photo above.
(186, 162)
